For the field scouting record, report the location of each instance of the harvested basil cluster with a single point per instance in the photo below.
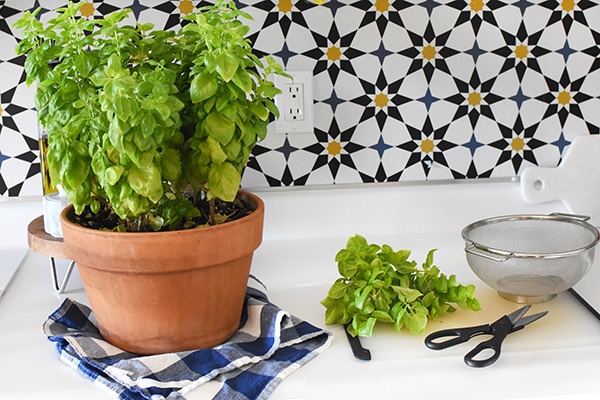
(380, 284)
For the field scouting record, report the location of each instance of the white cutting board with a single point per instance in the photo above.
(576, 181)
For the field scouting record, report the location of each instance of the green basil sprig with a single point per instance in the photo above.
(380, 284)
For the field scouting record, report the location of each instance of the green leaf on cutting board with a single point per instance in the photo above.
(378, 284)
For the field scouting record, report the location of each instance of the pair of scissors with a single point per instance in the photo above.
(510, 323)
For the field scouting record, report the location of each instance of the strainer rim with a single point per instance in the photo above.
(572, 219)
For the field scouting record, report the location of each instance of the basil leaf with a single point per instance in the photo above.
(146, 181)
(227, 65)
(219, 127)
(203, 86)
(224, 181)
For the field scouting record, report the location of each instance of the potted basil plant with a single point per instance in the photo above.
(149, 132)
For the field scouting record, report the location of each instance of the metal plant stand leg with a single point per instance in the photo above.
(60, 289)
(50, 246)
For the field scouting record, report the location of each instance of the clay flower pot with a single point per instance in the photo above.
(159, 292)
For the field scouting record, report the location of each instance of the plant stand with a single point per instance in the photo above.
(53, 247)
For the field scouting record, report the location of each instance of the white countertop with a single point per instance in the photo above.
(557, 357)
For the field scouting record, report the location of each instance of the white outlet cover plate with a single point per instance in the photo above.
(307, 124)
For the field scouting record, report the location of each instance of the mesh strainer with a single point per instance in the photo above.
(531, 258)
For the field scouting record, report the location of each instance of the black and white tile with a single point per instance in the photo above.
(404, 90)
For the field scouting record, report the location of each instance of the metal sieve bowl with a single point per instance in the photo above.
(531, 258)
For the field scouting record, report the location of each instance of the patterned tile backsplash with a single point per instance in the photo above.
(403, 90)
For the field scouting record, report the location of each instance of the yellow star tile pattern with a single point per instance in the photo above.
(87, 10)
(285, 6)
(381, 100)
(476, 5)
(186, 7)
(429, 52)
(568, 5)
(478, 88)
(334, 148)
(427, 146)
(521, 51)
(517, 144)
(564, 98)
(333, 53)
(474, 99)
(382, 5)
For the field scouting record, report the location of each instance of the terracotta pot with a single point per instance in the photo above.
(159, 292)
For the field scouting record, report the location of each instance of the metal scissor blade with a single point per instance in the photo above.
(515, 316)
(529, 319)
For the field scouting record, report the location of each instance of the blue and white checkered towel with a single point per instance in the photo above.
(269, 346)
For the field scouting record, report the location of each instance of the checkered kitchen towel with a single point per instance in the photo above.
(269, 346)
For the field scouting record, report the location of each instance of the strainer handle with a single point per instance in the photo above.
(573, 216)
(477, 251)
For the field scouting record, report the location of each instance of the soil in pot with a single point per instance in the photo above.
(106, 218)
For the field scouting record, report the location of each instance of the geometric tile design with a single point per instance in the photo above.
(404, 90)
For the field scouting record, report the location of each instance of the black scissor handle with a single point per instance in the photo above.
(455, 336)
(491, 344)
(357, 349)
(500, 329)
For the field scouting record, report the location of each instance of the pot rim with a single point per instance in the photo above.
(256, 213)
(567, 218)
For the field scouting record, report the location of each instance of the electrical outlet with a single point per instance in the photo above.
(293, 98)
(295, 104)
